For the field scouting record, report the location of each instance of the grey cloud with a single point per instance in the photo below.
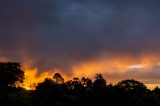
(148, 76)
(60, 33)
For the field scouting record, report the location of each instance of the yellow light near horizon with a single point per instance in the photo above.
(32, 78)
(89, 68)
(152, 86)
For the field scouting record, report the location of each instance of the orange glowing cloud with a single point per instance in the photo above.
(113, 69)
(32, 77)
(114, 65)
(117, 69)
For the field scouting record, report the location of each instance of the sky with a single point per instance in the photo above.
(118, 38)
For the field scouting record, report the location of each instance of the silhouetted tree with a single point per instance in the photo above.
(48, 93)
(58, 78)
(75, 92)
(77, 85)
(156, 91)
(99, 83)
(86, 82)
(132, 86)
(10, 74)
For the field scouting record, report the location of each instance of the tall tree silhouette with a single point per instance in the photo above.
(75, 86)
(10, 74)
(58, 78)
(99, 83)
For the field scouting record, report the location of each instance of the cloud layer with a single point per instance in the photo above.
(63, 33)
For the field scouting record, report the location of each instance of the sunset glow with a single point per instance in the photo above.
(80, 38)
(80, 52)
(113, 70)
(32, 78)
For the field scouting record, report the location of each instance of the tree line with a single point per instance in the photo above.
(76, 92)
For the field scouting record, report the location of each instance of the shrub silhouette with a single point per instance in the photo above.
(76, 92)
(132, 86)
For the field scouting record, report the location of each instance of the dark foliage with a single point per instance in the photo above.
(10, 74)
(75, 92)
(132, 87)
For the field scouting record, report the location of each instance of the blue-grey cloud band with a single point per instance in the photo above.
(61, 33)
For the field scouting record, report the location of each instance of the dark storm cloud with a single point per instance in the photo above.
(60, 33)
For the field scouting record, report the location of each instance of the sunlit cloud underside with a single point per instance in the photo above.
(114, 70)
